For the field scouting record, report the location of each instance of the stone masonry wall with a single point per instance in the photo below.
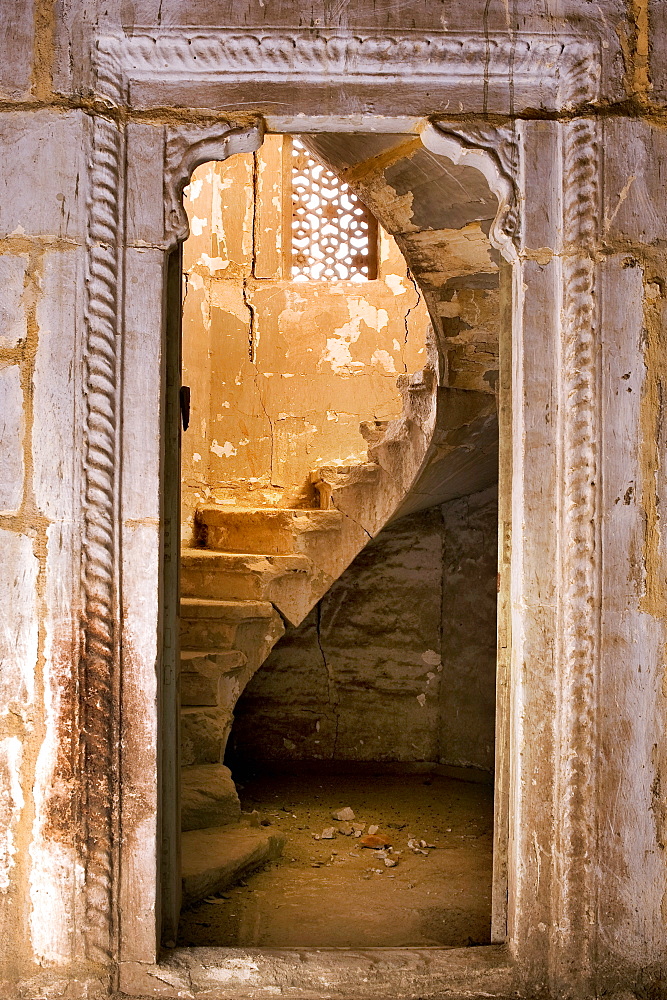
(397, 662)
(47, 116)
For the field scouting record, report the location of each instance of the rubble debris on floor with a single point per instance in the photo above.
(427, 882)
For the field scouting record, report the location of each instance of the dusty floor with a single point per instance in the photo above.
(335, 893)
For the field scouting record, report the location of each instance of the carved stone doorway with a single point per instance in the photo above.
(548, 170)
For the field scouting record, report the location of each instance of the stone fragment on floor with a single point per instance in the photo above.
(345, 815)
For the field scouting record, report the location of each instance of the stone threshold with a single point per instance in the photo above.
(322, 973)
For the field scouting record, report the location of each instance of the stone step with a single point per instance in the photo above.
(264, 530)
(216, 858)
(213, 625)
(236, 576)
(348, 488)
(204, 733)
(208, 797)
(361, 472)
(223, 643)
(291, 582)
(201, 675)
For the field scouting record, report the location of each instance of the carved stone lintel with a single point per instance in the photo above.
(189, 146)
(564, 67)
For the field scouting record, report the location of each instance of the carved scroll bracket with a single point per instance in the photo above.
(495, 153)
(189, 146)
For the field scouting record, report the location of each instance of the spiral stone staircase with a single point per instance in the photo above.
(259, 568)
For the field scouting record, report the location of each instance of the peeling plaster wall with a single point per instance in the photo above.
(441, 224)
(397, 661)
(282, 372)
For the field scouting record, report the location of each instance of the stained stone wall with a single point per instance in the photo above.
(397, 662)
(83, 170)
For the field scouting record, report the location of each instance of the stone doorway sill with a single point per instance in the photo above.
(322, 973)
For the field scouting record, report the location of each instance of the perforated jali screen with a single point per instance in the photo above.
(333, 235)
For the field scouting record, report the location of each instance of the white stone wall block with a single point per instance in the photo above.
(631, 727)
(142, 376)
(11, 438)
(54, 864)
(16, 44)
(11, 804)
(541, 173)
(12, 311)
(18, 619)
(141, 609)
(145, 206)
(55, 452)
(634, 181)
(46, 195)
(52, 881)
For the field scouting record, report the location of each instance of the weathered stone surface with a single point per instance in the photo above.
(11, 805)
(470, 322)
(325, 354)
(266, 531)
(208, 797)
(145, 213)
(203, 735)
(58, 315)
(467, 689)
(12, 308)
(19, 634)
(361, 973)
(534, 16)
(201, 674)
(463, 453)
(362, 690)
(292, 583)
(634, 206)
(212, 625)
(16, 45)
(51, 150)
(144, 275)
(654, 50)
(11, 438)
(224, 642)
(586, 743)
(344, 685)
(216, 858)
(630, 625)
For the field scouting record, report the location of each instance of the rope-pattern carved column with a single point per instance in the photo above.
(579, 570)
(98, 667)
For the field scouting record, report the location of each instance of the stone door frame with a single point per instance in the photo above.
(140, 158)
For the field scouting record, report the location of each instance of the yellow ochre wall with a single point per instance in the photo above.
(281, 372)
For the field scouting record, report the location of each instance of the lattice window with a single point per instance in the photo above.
(334, 236)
